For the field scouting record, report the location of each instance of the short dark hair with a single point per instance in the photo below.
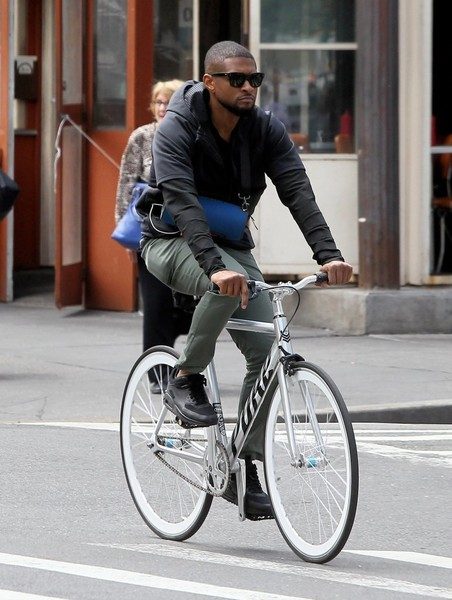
(219, 52)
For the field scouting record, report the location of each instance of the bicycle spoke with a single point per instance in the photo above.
(312, 498)
(168, 503)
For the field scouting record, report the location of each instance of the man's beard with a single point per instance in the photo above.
(235, 110)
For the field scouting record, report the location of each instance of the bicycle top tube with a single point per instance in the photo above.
(259, 286)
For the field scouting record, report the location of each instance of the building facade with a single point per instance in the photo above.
(362, 87)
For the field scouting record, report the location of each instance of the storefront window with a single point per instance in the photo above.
(293, 21)
(311, 92)
(173, 40)
(308, 55)
(110, 41)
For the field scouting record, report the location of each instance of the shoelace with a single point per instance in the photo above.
(196, 389)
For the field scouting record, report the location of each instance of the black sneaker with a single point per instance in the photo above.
(187, 399)
(257, 502)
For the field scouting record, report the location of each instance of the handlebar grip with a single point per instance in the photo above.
(321, 277)
(251, 287)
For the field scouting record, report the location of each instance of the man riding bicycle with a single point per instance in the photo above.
(215, 143)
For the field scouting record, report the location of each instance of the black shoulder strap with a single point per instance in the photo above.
(245, 171)
(245, 162)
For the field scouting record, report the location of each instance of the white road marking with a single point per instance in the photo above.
(385, 434)
(418, 558)
(405, 453)
(10, 595)
(72, 425)
(445, 429)
(140, 579)
(351, 578)
(366, 440)
(407, 438)
(357, 427)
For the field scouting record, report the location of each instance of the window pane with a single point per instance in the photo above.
(311, 92)
(293, 21)
(72, 53)
(110, 64)
(173, 40)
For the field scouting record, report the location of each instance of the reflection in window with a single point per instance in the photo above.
(292, 21)
(311, 92)
(110, 64)
(307, 52)
(173, 39)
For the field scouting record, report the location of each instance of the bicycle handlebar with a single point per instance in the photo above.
(258, 286)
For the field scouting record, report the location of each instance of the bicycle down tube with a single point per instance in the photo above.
(272, 367)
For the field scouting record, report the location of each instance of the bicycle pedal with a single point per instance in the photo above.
(182, 423)
(258, 517)
(186, 425)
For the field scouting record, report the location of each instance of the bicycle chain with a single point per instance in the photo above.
(204, 489)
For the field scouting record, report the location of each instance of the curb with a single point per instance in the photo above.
(425, 413)
(431, 412)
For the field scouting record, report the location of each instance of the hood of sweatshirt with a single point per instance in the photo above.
(191, 101)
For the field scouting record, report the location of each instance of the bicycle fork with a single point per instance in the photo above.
(288, 358)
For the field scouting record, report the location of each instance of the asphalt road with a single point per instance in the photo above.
(69, 528)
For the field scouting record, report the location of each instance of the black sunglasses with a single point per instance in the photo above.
(237, 80)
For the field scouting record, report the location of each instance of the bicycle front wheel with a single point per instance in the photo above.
(314, 493)
(161, 482)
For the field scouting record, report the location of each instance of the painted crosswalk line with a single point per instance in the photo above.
(140, 579)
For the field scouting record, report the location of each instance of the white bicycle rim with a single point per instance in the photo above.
(171, 506)
(314, 502)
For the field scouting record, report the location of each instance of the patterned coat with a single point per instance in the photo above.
(135, 164)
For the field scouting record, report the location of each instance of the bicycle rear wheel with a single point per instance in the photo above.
(314, 497)
(171, 506)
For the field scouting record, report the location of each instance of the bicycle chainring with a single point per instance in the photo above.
(221, 460)
(219, 474)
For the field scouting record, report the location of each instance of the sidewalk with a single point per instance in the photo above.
(71, 365)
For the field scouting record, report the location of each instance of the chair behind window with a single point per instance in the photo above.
(344, 143)
(301, 140)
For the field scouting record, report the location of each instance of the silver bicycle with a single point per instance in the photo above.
(310, 462)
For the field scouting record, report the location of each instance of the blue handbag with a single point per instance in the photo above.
(225, 220)
(8, 193)
(128, 231)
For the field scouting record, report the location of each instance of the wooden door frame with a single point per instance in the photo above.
(68, 278)
(110, 276)
(6, 143)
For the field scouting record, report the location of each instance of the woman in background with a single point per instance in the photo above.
(162, 323)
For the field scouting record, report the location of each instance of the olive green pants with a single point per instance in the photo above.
(172, 261)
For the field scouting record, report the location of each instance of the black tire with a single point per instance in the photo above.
(314, 498)
(173, 508)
